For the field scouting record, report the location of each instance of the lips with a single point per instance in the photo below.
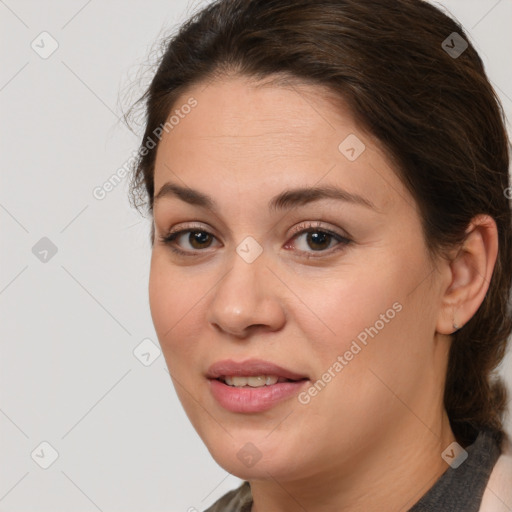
(250, 368)
(282, 385)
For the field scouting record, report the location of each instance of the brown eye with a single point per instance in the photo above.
(200, 238)
(319, 241)
(191, 242)
(197, 239)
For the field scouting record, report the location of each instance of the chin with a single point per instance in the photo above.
(251, 460)
(259, 470)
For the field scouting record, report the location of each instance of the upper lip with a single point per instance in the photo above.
(248, 368)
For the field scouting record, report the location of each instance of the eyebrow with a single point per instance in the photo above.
(285, 200)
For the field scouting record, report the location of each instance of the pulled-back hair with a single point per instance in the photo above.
(434, 112)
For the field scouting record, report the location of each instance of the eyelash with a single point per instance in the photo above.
(169, 238)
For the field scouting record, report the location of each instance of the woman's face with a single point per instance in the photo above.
(335, 289)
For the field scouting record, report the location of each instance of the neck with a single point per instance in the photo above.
(399, 469)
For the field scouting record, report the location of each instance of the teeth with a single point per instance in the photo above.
(256, 382)
(239, 381)
(252, 381)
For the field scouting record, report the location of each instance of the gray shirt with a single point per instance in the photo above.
(457, 489)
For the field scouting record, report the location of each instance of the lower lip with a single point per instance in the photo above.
(249, 399)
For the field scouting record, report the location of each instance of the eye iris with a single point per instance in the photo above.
(317, 237)
(198, 236)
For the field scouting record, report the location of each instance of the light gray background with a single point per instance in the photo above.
(69, 325)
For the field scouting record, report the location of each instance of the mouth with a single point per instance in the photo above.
(259, 368)
(253, 385)
(254, 381)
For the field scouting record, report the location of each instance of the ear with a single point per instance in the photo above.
(469, 275)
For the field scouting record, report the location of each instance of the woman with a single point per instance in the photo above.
(332, 253)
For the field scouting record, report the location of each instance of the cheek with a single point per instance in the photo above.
(169, 299)
(174, 306)
(371, 318)
(345, 306)
(175, 303)
(161, 297)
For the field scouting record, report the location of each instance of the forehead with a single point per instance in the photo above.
(240, 112)
(251, 135)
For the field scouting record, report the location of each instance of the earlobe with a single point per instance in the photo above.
(470, 272)
(455, 324)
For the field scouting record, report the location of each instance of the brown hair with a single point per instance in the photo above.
(435, 113)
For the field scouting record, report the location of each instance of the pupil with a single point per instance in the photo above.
(199, 237)
(314, 238)
(317, 238)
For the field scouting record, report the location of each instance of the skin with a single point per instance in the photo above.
(372, 438)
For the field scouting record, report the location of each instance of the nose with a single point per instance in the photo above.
(246, 299)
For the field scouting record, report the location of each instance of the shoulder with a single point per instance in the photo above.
(237, 500)
(498, 493)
